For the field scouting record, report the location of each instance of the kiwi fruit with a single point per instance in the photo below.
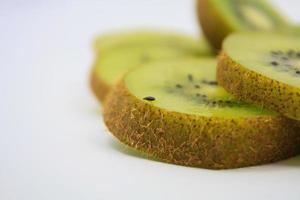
(146, 38)
(219, 18)
(263, 69)
(293, 30)
(123, 53)
(176, 112)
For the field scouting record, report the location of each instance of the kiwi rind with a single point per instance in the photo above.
(213, 24)
(193, 140)
(99, 88)
(257, 89)
(216, 27)
(132, 39)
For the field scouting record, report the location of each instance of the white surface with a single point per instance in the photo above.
(53, 144)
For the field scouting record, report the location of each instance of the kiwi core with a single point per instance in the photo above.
(187, 87)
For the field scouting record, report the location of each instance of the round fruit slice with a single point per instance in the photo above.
(146, 38)
(176, 112)
(219, 18)
(125, 53)
(294, 30)
(263, 69)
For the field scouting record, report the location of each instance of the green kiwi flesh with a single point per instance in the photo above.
(146, 38)
(219, 18)
(292, 30)
(263, 69)
(110, 67)
(132, 50)
(176, 112)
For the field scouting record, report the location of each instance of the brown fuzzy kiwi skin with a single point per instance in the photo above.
(213, 25)
(190, 140)
(98, 86)
(257, 89)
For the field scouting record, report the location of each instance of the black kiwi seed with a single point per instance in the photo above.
(297, 72)
(284, 58)
(190, 77)
(149, 98)
(213, 83)
(197, 86)
(178, 86)
(210, 82)
(274, 63)
(202, 95)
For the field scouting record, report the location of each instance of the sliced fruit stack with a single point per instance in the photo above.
(168, 96)
(119, 52)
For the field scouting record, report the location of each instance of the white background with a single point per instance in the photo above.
(53, 143)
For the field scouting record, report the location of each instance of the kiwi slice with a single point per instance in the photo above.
(124, 53)
(293, 30)
(177, 113)
(219, 18)
(263, 69)
(146, 38)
